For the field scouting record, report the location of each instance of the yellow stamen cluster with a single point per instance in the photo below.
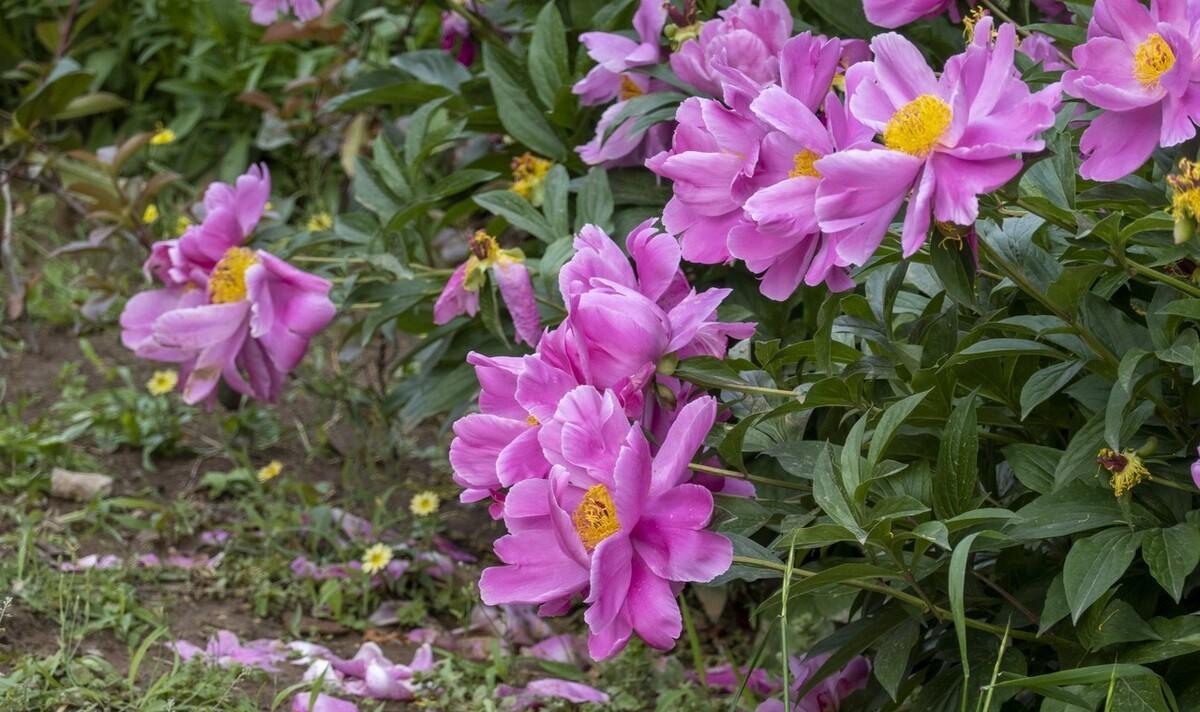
(1126, 467)
(424, 503)
(629, 88)
(971, 19)
(319, 221)
(917, 126)
(228, 280)
(162, 382)
(376, 559)
(596, 517)
(1153, 59)
(483, 246)
(1185, 190)
(531, 420)
(269, 471)
(162, 136)
(803, 165)
(529, 177)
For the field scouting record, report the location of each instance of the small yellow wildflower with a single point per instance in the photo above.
(529, 177)
(376, 558)
(150, 214)
(1126, 467)
(268, 206)
(182, 223)
(424, 503)
(162, 136)
(320, 221)
(162, 382)
(270, 470)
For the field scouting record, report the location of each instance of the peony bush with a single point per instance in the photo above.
(869, 328)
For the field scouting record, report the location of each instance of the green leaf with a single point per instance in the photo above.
(65, 81)
(1076, 507)
(548, 66)
(371, 193)
(891, 656)
(1095, 564)
(888, 425)
(1033, 465)
(517, 110)
(990, 348)
(433, 66)
(1172, 554)
(1049, 381)
(554, 204)
(955, 481)
(459, 181)
(595, 203)
(89, 104)
(1080, 458)
(517, 211)
(832, 499)
(748, 548)
(1079, 676)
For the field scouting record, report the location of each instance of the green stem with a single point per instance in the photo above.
(1166, 279)
(693, 642)
(1172, 484)
(886, 590)
(734, 474)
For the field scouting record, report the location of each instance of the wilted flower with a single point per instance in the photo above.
(162, 382)
(324, 703)
(269, 471)
(456, 38)
(529, 178)
(376, 558)
(507, 267)
(553, 689)
(264, 12)
(1138, 66)
(1126, 467)
(1185, 199)
(226, 650)
(424, 503)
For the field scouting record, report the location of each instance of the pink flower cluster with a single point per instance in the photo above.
(562, 445)
(264, 12)
(802, 185)
(225, 310)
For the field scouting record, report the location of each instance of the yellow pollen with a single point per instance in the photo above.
(629, 88)
(596, 517)
(803, 162)
(1153, 59)
(531, 420)
(917, 126)
(228, 280)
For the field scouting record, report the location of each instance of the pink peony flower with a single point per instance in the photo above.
(1139, 66)
(893, 13)
(712, 162)
(622, 146)
(947, 140)
(1040, 48)
(621, 323)
(779, 237)
(827, 696)
(739, 49)
(627, 536)
(615, 54)
(507, 267)
(758, 680)
(264, 12)
(227, 311)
